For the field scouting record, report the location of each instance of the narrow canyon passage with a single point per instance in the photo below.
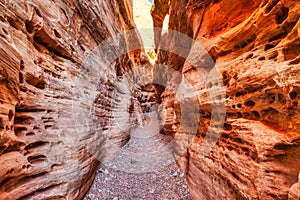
(144, 168)
(95, 103)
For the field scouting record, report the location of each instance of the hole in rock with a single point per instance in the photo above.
(3, 36)
(282, 14)
(28, 109)
(21, 77)
(2, 19)
(30, 134)
(13, 22)
(4, 182)
(36, 159)
(25, 166)
(254, 156)
(235, 175)
(239, 114)
(255, 115)
(82, 48)
(35, 144)
(246, 151)
(249, 56)
(56, 166)
(240, 93)
(37, 11)
(269, 46)
(295, 62)
(293, 95)
(57, 34)
(10, 115)
(1, 124)
(227, 127)
(10, 171)
(5, 32)
(249, 103)
(281, 98)
(29, 26)
(22, 65)
(238, 140)
(246, 115)
(19, 130)
(38, 82)
(272, 99)
(224, 135)
(72, 48)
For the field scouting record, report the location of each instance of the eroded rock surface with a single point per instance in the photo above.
(294, 192)
(255, 46)
(45, 45)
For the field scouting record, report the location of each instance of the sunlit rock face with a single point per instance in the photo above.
(44, 142)
(255, 46)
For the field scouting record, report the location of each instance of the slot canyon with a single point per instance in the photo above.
(138, 99)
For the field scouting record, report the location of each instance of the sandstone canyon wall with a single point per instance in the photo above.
(44, 49)
(54, 78)
(255, 46)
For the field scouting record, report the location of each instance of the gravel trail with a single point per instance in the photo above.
(143, 169)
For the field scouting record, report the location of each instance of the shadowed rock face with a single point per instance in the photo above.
(255, 46)
(44, 45)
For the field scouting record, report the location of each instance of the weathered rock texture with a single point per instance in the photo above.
(44, 45)
(294, 192)
(159, 10)
(255, 45)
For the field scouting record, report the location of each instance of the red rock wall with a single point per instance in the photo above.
(255, 45)
(44, 45)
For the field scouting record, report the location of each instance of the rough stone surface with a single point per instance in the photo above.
(294, 192)
(44, 45)
(159, 10)
(255, 46)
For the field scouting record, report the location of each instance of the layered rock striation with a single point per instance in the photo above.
(255, 48)
(55, 78)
